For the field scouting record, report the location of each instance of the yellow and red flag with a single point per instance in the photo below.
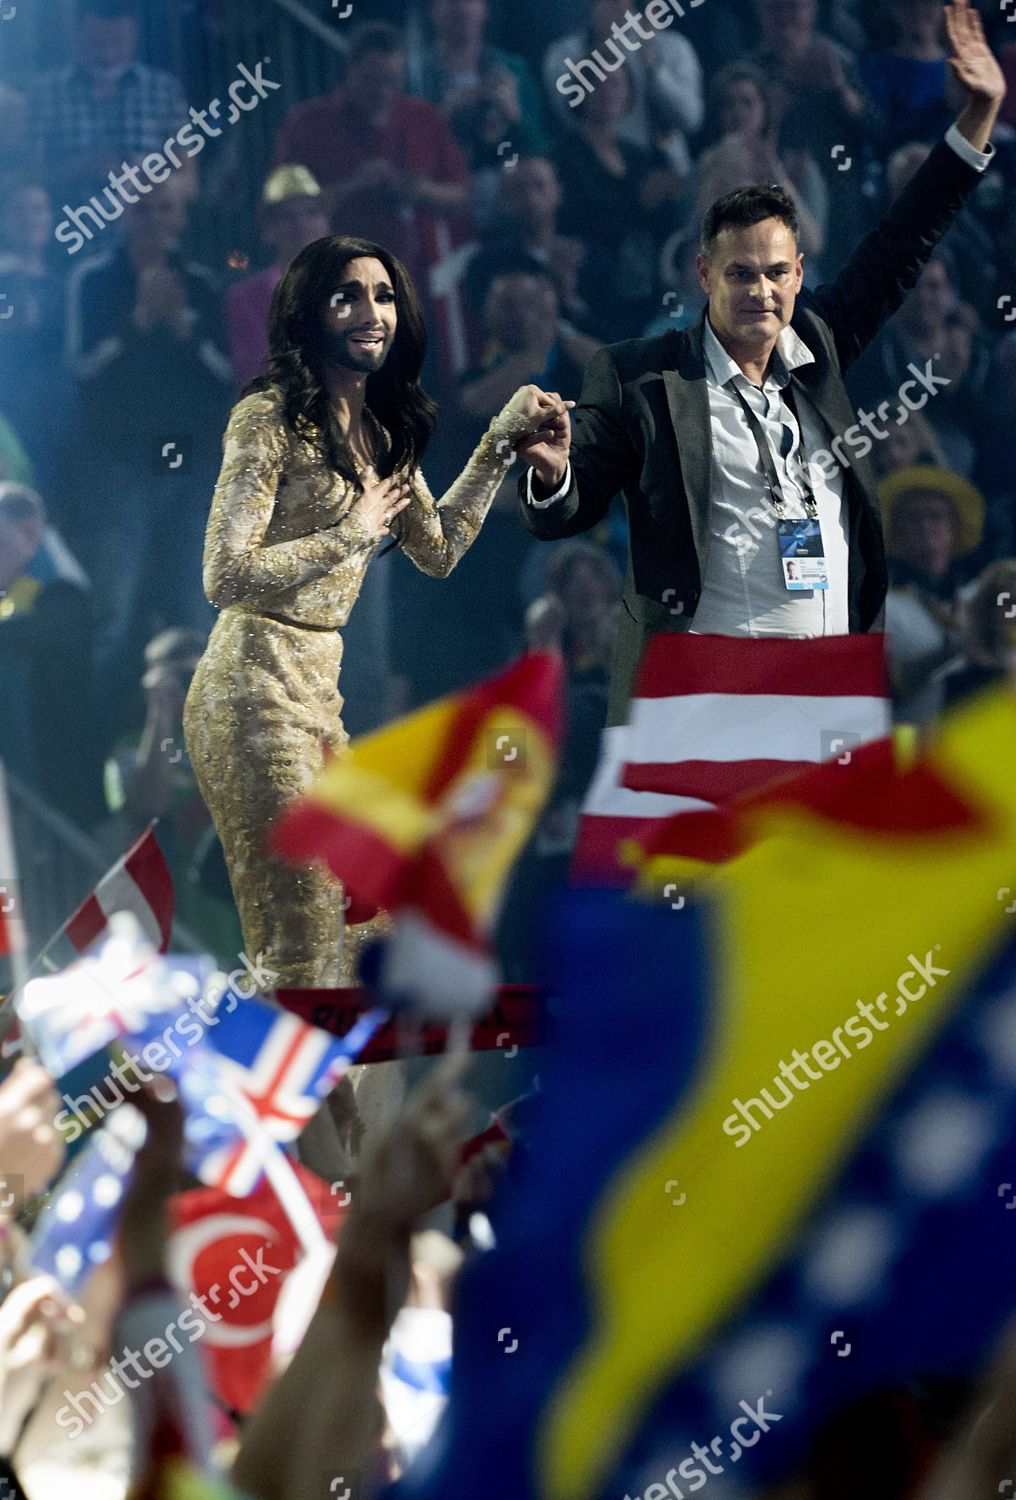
(425, 818)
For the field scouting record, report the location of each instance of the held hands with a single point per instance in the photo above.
(381, 502)
(536, 422)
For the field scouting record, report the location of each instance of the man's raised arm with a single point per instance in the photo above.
(885, 267)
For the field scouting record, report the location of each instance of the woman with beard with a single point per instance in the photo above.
(321, 462)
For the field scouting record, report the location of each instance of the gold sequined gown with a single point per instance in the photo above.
(284, 560)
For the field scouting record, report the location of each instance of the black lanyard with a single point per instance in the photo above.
(766, 458)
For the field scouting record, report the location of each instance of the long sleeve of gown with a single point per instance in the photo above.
(435, 533)
(242, 564)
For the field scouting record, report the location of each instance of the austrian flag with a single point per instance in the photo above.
(140, 883)
(714, 717)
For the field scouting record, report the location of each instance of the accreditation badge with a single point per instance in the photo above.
(802, 554)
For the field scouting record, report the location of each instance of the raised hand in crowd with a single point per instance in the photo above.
(31, 1146)
(322, 1417)
(36, 1323)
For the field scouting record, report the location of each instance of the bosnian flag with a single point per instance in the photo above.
(715, 716)
(140, 883)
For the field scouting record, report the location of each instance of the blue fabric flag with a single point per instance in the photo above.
(901, 1268)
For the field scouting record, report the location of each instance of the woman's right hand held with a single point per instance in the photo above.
(540, 430)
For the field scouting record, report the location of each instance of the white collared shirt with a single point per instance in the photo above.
(743, 590)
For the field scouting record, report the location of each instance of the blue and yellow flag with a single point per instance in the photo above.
(768, 1113)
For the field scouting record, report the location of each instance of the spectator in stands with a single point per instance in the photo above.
(488, 95)
(111, 295)
(585, 583)
(521, 332)
(916, 332)
(818, 105)
(969, 242)
(741, 150)
(524, 341)
(47, 725)
(907, 80)
(970, 418)
(988, 636)
(34, 389)
(37, 1321)
(106, 108)
(682, 298)
(149, 775)
(933, 521)
(664, 103)
(389, 166)
(621, 196)
(292, 214)
(577, 617)
(935, 331)
(903, 446)
(932, 518)
(529, 202)
(145, 443)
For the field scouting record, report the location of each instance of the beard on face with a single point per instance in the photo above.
(335, 349)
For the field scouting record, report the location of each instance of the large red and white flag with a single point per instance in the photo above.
(715, 716)
(140, 883)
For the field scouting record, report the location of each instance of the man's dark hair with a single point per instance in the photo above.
(744, 207)
(516, 262)
(374, 36)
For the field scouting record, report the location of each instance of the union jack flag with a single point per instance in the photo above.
(272, 1071)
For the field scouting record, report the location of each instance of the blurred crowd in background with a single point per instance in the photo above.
(545, 188)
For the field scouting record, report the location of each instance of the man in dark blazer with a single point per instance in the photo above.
(710, 429)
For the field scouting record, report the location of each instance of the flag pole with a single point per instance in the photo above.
(10, 892)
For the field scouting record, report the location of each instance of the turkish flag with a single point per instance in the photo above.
(235, 1254)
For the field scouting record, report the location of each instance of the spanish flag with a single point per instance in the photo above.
(776, 1120)
(425, 817)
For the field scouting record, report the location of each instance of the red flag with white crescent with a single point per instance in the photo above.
(233, 1255)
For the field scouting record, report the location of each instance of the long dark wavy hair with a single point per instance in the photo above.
(394, 398)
